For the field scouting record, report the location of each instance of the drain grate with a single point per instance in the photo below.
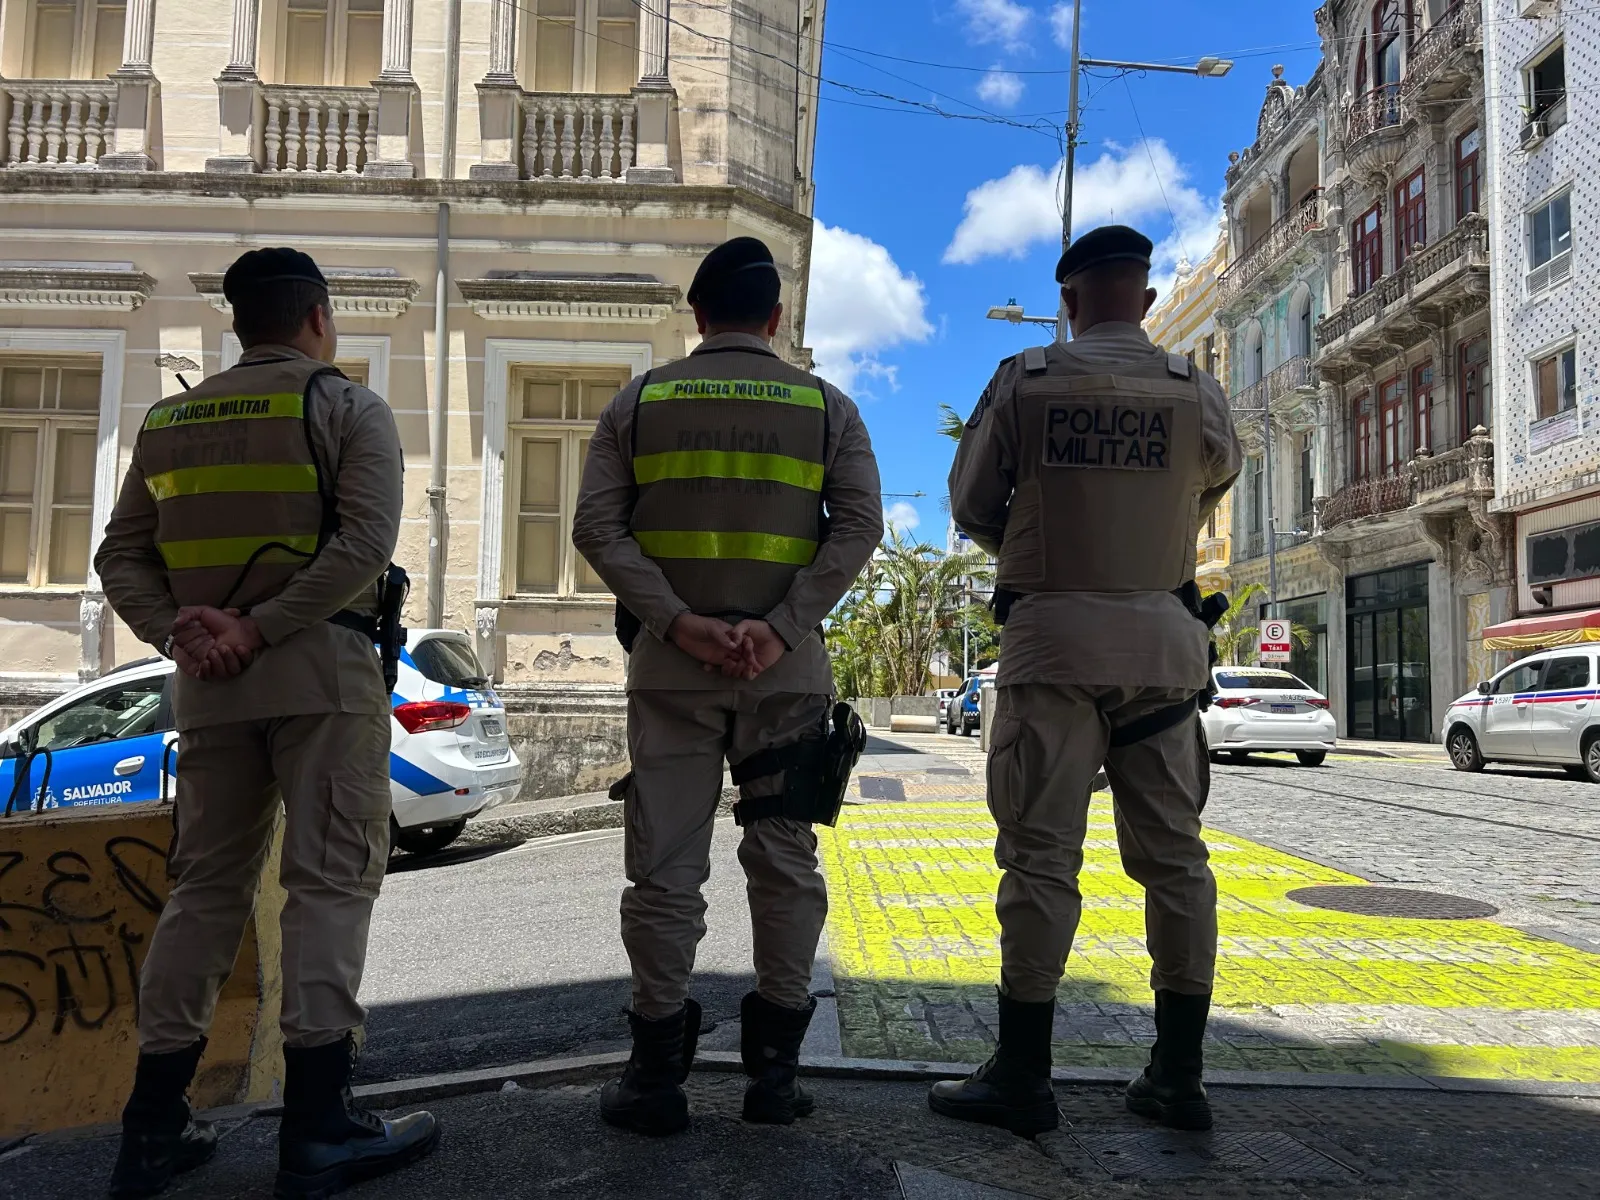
(880, 787)
(1163, 1154)
(1392, 902)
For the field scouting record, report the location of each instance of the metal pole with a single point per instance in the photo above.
(438, 435)
(1063, 330)
(1272, 520)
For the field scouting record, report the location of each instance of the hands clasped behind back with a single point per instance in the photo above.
(741, 651)
(213, 643)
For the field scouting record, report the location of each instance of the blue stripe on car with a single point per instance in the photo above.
(409, 775)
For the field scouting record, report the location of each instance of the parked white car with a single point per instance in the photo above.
(112, 742)
(1261, 709)
(945, 695)
(1541, 710)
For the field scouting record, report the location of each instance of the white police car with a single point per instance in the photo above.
(112, 742)
(1543, 709)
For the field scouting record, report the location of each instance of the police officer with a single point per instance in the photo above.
(256, 519)
(1088, 469)
(729, 501)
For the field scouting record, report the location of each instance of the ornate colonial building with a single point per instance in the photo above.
(509, 215)
(1185, 322)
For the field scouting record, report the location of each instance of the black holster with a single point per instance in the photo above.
(384, 630)
(816, 774)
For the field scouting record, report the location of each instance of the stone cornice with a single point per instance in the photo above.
(358, 295)
(81, 288)
(619, 299)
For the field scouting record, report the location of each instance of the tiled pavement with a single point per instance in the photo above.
(913, 936)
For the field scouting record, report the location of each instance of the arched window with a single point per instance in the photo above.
(1302, 326)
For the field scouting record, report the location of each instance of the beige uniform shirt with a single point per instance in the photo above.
(1137, 639)
(307, 666)
(600, 531)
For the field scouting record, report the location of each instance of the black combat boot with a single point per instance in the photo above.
(1011, 1090)
(769, 1043)
(649, 1097)
(1170, 1089)
(327, 1142)
(159, 1137)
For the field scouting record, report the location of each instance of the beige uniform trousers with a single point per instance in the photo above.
(331, 773)
(1048, 741)
(679, 741)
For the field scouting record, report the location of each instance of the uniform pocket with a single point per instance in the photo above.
(1000, 772)
(355, 853)
(1025, 549)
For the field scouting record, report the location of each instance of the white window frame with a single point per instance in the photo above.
(335, 45)
(501, 358)
(1555, 116)
(110, 345)
(1557, 270)
(370, 348)
(83, 31)
(585, 45)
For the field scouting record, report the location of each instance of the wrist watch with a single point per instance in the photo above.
(166, 646)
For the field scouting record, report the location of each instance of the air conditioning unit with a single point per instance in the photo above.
(1534, 132)
(1534, 9)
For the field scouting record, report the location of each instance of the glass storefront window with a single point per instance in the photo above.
(1390, 678)
(1310, 662)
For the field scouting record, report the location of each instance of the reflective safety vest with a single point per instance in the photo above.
(238, 490)
(1110, 471)
(729, 448)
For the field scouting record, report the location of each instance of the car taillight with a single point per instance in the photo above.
(1233, 701)
(1317, 702)
(419, 716)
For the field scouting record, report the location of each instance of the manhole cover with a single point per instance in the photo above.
(1393, 902)
(878, 787)
(1162, 1154)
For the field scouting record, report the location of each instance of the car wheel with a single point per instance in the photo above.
(1311, 758)
(428, 839)
(1238, 756)
(1591, 756)
(1463, 750)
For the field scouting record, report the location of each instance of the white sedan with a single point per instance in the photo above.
(1260, 709)
(1544, 709)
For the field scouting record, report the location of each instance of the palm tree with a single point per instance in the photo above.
(950, 423)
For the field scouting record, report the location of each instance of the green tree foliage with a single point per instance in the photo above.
(1238, 634)
(904, 607)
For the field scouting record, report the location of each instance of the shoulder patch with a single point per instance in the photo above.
(976, 418)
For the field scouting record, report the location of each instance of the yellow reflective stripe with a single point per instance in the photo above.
(728, 464)
(201, 481)
(227, 408)
(763, 547)
(733, 389)
(235, 551)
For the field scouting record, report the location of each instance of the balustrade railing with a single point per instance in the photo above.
(1457, 29)
(578, 136)
(1471, 463)
(320, 130)
(59, 122)
(1383, 107)
(1469, 239)
(1368, 498)
(1273, 247)
(1295, 374)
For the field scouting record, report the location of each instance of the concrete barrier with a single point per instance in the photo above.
(880, 712)
(80, 891)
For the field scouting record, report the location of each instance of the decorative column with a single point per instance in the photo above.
(137, 90)
(398, 97)
(500, 100)
(238, 98)
(654, 99)
(653, 31)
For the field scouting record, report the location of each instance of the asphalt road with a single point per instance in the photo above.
(508, 953)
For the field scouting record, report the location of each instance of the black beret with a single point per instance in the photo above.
(275, 265)
(728, 260)
(1106, 244)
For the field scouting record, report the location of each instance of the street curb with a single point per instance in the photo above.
(553, 818)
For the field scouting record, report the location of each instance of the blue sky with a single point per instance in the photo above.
(924, 222)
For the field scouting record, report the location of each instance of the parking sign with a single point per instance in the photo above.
(1275, 641)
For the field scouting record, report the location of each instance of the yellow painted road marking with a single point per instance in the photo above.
(912, 915)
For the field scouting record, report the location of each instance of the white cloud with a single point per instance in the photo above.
(998, 22)
(1061, 24)
(861, 303)
(1009, 216)
(902, 515)
(1000, 88)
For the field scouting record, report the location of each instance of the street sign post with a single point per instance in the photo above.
(1275, 646)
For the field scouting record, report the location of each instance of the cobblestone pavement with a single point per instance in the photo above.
(913, 935)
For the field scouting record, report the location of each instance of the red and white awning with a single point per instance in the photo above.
(1538, 633)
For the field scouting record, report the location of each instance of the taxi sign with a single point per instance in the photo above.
(1275, 641)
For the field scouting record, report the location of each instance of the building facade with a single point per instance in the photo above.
(1542, 75)
(552, 172)
(1270, 296)
(1184, 322)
